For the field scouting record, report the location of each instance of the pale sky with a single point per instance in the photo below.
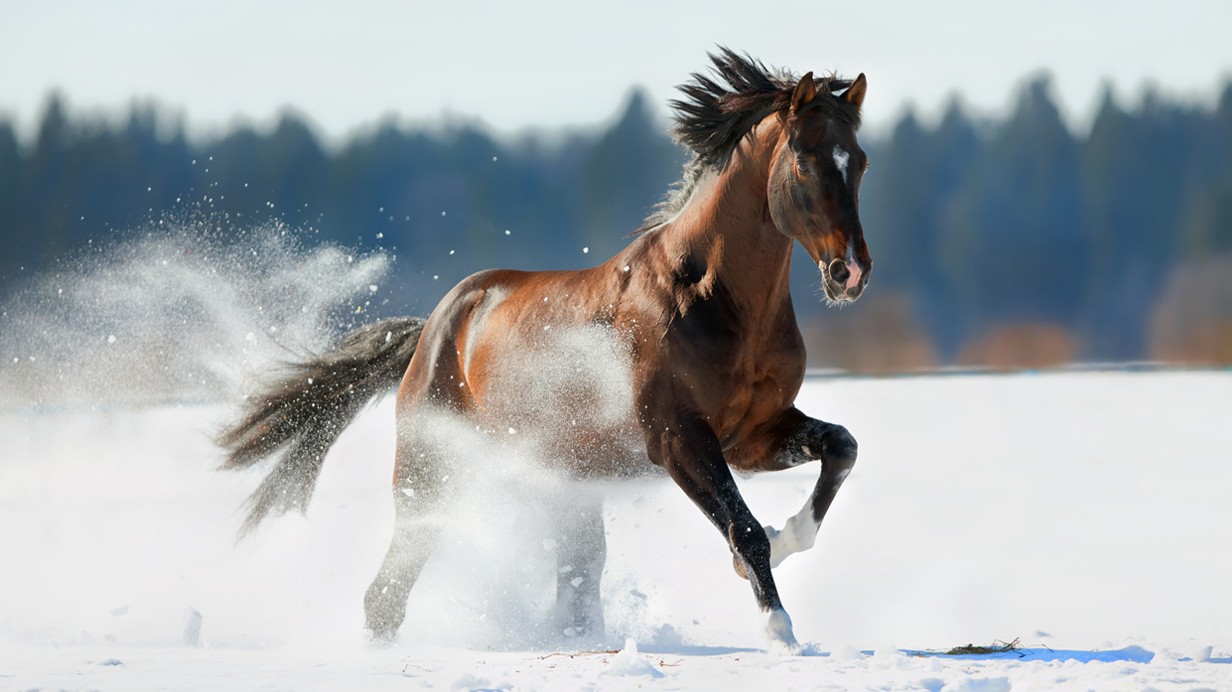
(513, 65)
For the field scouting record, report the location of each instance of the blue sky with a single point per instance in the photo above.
(514, 65)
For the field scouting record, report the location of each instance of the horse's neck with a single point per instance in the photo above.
(726, 223)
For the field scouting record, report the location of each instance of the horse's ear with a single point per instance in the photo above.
(805, 92)
(855, 92)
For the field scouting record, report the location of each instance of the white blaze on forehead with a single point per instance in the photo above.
(840, 161)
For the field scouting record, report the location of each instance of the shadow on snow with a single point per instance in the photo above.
(1129, 654)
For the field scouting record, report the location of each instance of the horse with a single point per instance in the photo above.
(694, 315)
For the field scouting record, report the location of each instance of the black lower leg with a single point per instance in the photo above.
(751, 553)
(838, 456)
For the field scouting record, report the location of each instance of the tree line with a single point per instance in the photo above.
(974, 224)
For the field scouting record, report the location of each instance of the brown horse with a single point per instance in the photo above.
(689, 330)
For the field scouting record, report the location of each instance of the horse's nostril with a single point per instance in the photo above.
(839, 271)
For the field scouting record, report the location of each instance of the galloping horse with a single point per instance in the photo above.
(695, 316)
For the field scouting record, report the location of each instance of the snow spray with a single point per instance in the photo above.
(183, 309)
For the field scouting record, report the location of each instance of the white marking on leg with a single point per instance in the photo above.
(779, 634)
(798, 534)
(840, 161)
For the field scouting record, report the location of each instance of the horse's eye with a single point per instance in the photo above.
(803, 168)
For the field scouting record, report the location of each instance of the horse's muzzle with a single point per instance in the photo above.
(842, 281)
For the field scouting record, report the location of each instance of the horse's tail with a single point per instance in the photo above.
(300, 415)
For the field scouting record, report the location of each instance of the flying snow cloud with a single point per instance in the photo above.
(174, 312)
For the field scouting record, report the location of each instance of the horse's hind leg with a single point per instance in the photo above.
(581, 552)
(411, 546)
(418, 490)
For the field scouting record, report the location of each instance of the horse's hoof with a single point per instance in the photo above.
(380, 641)
(380, 636)
(779, 636)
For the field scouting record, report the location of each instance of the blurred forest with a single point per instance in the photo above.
(1000, 243)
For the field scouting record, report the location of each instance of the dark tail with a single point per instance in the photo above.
(300, 415)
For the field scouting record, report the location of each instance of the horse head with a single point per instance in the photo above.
(814, 182)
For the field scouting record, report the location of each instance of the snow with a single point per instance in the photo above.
(629, 662)
(1085, 514)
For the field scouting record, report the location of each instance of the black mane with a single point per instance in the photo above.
(720, 108)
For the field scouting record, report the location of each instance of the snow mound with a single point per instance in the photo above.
(630, 663)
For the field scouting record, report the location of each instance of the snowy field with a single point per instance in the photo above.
(1088, 516)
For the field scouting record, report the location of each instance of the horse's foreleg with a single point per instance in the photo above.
(693, 457)
(581, 554)
(805, 440)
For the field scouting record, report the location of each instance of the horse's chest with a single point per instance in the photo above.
(738, 375)
(752, 400)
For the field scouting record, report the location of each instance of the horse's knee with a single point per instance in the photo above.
(839, 449)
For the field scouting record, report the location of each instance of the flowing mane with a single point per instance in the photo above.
(720, 108)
